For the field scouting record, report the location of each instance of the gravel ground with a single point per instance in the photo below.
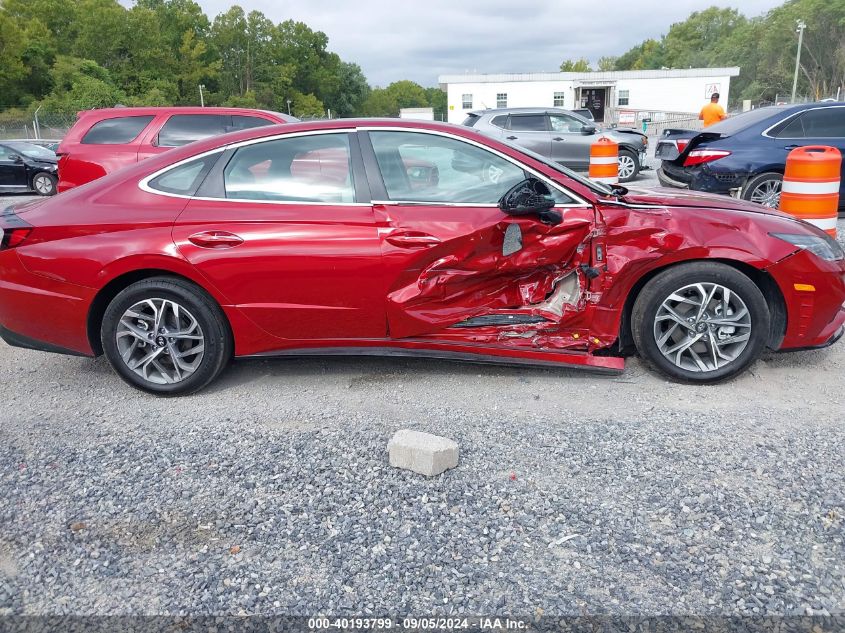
(270, 492)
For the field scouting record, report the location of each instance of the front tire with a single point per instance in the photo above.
(700, 322)
(629, 165)
(166, 336)
(44, 184)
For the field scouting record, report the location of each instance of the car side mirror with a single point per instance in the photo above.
(588, 130)
(16, 158)
(530, 197)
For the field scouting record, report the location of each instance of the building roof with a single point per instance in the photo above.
(611, 75)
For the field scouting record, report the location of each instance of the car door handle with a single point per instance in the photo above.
(511, 138)
(215, 239)
(791, 147)
(558, 138)
(411, 239)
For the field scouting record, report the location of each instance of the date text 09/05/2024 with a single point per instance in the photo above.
(479, 623)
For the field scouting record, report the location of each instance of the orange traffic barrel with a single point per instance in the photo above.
(810, 189)
(604, 161)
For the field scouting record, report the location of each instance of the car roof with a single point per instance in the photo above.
(535, 110)
(147, 110)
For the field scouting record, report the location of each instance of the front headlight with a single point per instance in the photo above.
(822, 246)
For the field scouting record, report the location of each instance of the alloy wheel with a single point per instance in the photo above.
(43, 184)
(702, 327)
(767, 193)
(160, 340)
(626, 166)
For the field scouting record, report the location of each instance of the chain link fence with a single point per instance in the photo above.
(47, 125)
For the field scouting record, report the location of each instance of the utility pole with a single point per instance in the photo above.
(202, 101)
(36, 124)
(800, 31)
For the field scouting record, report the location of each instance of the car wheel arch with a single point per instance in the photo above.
(117, 284)
(765, 282)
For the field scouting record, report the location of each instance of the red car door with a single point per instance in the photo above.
(283, 232)
(451, 255)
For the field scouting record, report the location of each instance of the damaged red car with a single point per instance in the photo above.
(404, 238)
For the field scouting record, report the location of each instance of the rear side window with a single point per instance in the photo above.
(500, 121)
(116, 131)
(528, 123)
(240, 122)
(824, 123)
(182, 129)
(313, 168)
(792, 129)
(184, 179)
(471, 120)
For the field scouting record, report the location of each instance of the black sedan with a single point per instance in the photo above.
(27, 167)
(745, 155)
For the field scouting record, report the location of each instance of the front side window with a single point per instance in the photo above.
(6, 153)
(313, 168)
(502, 100)
(559, 99)
(116, 131)
(419, 167)
(528, 122)
(624, 97)
(466, 101)
(185, 179)
(181, 129)
(565, 123)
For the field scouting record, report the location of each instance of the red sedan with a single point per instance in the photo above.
(400, 238)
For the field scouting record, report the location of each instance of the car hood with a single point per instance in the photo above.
(669, 197)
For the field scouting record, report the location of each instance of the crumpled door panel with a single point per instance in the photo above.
(477, 273)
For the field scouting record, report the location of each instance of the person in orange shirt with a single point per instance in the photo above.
(712, 112)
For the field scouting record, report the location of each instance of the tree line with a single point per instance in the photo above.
(764, 47)
(67, 55)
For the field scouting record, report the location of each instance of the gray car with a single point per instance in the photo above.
(561, 135)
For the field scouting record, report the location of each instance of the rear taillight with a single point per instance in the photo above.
(13, 231)
(682, 144)
(699, 156)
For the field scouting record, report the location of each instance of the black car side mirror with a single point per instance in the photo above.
(16, 158)
(587, 130)
(531, 197)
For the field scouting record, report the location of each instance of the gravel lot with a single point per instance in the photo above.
(270, 492)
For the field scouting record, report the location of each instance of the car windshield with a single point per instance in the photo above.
(592, 184)
(739, 122)
(32, 151)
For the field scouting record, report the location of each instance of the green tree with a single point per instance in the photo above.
(607, 63)
(578, 66)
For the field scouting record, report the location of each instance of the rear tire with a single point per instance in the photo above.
(764, 189)
(696, 344)
(166, 336)
(629, 165)
(44, 184)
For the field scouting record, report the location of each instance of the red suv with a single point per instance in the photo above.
(102, 141)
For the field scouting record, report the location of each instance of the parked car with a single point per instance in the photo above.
(51, 144)
(265, 242)
(102, 141)
(27, 167)
(560, 135)
(745, 155)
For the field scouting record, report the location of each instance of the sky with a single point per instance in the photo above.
(421, 39)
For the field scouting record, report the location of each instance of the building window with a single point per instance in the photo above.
(501, 99)
(559, 99)
(466, 102)
(623, 97)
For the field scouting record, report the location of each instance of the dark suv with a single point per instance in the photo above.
(745, 155)
(102, 141)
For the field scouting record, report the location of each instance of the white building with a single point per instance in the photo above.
(613, 96)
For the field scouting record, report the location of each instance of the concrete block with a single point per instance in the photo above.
(422, 453)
